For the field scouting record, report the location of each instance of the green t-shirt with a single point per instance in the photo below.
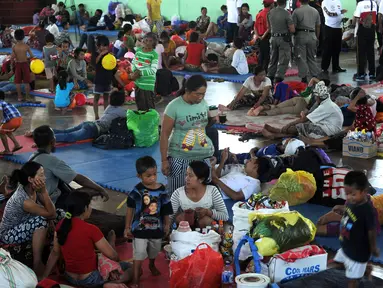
(188, 139)
(147, 63)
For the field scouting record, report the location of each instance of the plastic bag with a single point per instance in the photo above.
(142, 25)
(201, 269)
(296, 187)
(144, 126)
(14, 274)
(287, 230)
(183, 242)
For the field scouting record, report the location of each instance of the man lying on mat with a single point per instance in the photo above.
(57, 170)
(326, 120)
(294, 105)
(237, 182)
(255, 91)
(92, 129)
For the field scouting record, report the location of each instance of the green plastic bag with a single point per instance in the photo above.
(144, 125)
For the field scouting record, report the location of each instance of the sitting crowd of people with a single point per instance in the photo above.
(201, 179)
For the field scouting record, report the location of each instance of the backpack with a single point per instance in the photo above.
(119, 137)
(367, 22)
(166, 83)
(272, 167)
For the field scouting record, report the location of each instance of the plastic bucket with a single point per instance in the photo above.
(252, 280)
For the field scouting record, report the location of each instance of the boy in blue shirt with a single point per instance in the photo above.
(147, 217)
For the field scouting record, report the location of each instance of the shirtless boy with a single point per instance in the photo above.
(22, 72)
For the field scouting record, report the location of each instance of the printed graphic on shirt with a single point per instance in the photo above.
(197, 135)
(150, 213)
(346, 224)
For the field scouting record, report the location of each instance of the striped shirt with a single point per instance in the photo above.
(147, 63)
(212, 200)
(9, 111)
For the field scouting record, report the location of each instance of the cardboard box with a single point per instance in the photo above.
(281, 271)
(354, 148)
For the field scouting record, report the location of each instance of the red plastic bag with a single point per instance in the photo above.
(202, 269)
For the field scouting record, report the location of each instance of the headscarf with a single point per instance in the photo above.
(321, 91)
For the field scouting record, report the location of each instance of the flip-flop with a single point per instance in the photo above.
(3, 153)
(17, 149)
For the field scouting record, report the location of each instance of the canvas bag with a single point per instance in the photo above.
(14, 274)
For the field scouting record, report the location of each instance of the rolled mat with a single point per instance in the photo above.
(228, 77)
(128, 101)
(42, 94)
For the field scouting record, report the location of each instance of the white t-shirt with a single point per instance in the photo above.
(53, 29)
(332, 6)
(255, 90)
(328, 116)
(237, 180)
(239, 62)
(117, 44)
(160, 49)
(232, 10)
(364, 8)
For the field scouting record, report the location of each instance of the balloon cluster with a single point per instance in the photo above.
(362, 136)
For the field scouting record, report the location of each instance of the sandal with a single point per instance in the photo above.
(248, 136)
(6, 153)
(15, 149)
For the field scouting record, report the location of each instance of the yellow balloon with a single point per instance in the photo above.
(37, 66)
(109, 62)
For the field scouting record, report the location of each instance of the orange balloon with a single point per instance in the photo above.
(124, 76)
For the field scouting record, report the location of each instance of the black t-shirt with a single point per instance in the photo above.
(355, 224)
(150, 207)
(103, 77)
(348, 116)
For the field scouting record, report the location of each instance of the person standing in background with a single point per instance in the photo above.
(307, 31)
(281, 26)
(332, 35)
(317, 4)
(154, 15)
(233, 10)
(365, 15)
(262, 32)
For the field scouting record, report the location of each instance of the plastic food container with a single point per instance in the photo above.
(252, 280)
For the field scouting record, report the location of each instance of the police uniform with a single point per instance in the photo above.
(307, 22)
(332, 10)
(279, 20)
(366, 37)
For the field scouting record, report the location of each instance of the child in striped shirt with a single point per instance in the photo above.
(11, 121)
(144, 69)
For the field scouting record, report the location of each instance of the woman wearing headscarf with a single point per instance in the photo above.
(325, 120)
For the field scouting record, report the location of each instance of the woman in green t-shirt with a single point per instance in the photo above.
(183, 132)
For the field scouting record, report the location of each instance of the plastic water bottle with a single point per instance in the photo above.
(227, 275)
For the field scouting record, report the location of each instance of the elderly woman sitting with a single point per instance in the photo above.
(326, 120)
(197, 202)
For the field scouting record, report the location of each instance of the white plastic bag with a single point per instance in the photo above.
(175, 19)
(144, 26)
(241, 216)
(14, 274)
(183, 242)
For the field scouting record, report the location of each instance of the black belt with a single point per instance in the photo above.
(279, 34)
(305, 30)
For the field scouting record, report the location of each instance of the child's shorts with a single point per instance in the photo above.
(101, 89)
(22, 73)
(354, 270)
(11, 126)
(50, 72)
(144, 248)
